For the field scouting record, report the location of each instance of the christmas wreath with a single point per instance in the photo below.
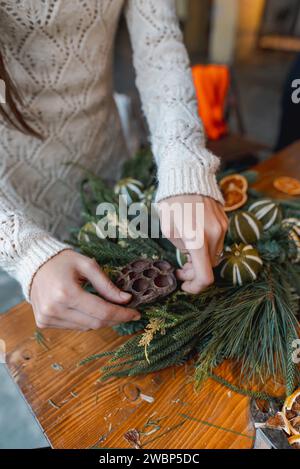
(249, 315)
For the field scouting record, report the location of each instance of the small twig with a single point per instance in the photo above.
(164, 433)
(209, 424)
(52, 403)
(40, 338)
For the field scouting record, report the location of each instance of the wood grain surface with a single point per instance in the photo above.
(76, 410)
(283, 163)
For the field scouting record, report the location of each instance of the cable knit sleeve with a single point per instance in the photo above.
(164, 80)
(24, 247)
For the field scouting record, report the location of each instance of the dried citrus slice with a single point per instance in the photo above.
(295, 425)
(278, 421)
(234, 199)
(291, 400)
(232, 182)
(291, 409)
(287, 185)
(294, 441)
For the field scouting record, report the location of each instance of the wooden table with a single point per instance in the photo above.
(75, 410)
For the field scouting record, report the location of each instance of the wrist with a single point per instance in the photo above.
(40, 251)
(183, 178)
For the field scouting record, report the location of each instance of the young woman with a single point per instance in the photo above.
(57, 55)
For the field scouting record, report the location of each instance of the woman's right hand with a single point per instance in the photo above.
(59, 301)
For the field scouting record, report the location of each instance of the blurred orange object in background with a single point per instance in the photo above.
(212, 85)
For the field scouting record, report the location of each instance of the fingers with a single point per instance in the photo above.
(185, 274)
(60, 324)
(67, 305)
(102, 284)
(103, 311)
(222, 217)
(215, 232)
(100, 315)
(198, 274)
(203, 274)
(60, 317)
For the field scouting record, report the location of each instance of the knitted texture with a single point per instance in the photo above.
(59, 54)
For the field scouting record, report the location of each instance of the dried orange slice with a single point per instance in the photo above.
(234, 199)
(232, 182)
(288, 185)
(278, 421)
(294, 441)
(291, 409)
(291, 401)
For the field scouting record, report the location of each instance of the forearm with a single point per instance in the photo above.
(24, 246)
(168, 96)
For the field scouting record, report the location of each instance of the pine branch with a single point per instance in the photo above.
(95, 357)
(245, 392)
(291, 371)
(141, 167)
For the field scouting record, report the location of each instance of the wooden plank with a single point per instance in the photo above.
(284, 163)
(75, 410)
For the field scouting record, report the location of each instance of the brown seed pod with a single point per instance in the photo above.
(147, 280)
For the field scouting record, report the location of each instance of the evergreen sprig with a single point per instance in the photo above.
(254, 330)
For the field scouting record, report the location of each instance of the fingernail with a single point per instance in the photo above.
(124, 295)
(137, 317)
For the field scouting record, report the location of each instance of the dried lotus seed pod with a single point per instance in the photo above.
(147, 280)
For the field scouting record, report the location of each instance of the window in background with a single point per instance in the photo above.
(280, 27)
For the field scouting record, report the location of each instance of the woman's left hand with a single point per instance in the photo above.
(210, 230)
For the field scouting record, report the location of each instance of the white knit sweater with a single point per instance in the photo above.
(59, 54)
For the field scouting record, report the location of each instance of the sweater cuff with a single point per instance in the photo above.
(41, 250)
(184, 178)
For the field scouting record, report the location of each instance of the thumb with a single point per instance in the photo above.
(100, 281)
